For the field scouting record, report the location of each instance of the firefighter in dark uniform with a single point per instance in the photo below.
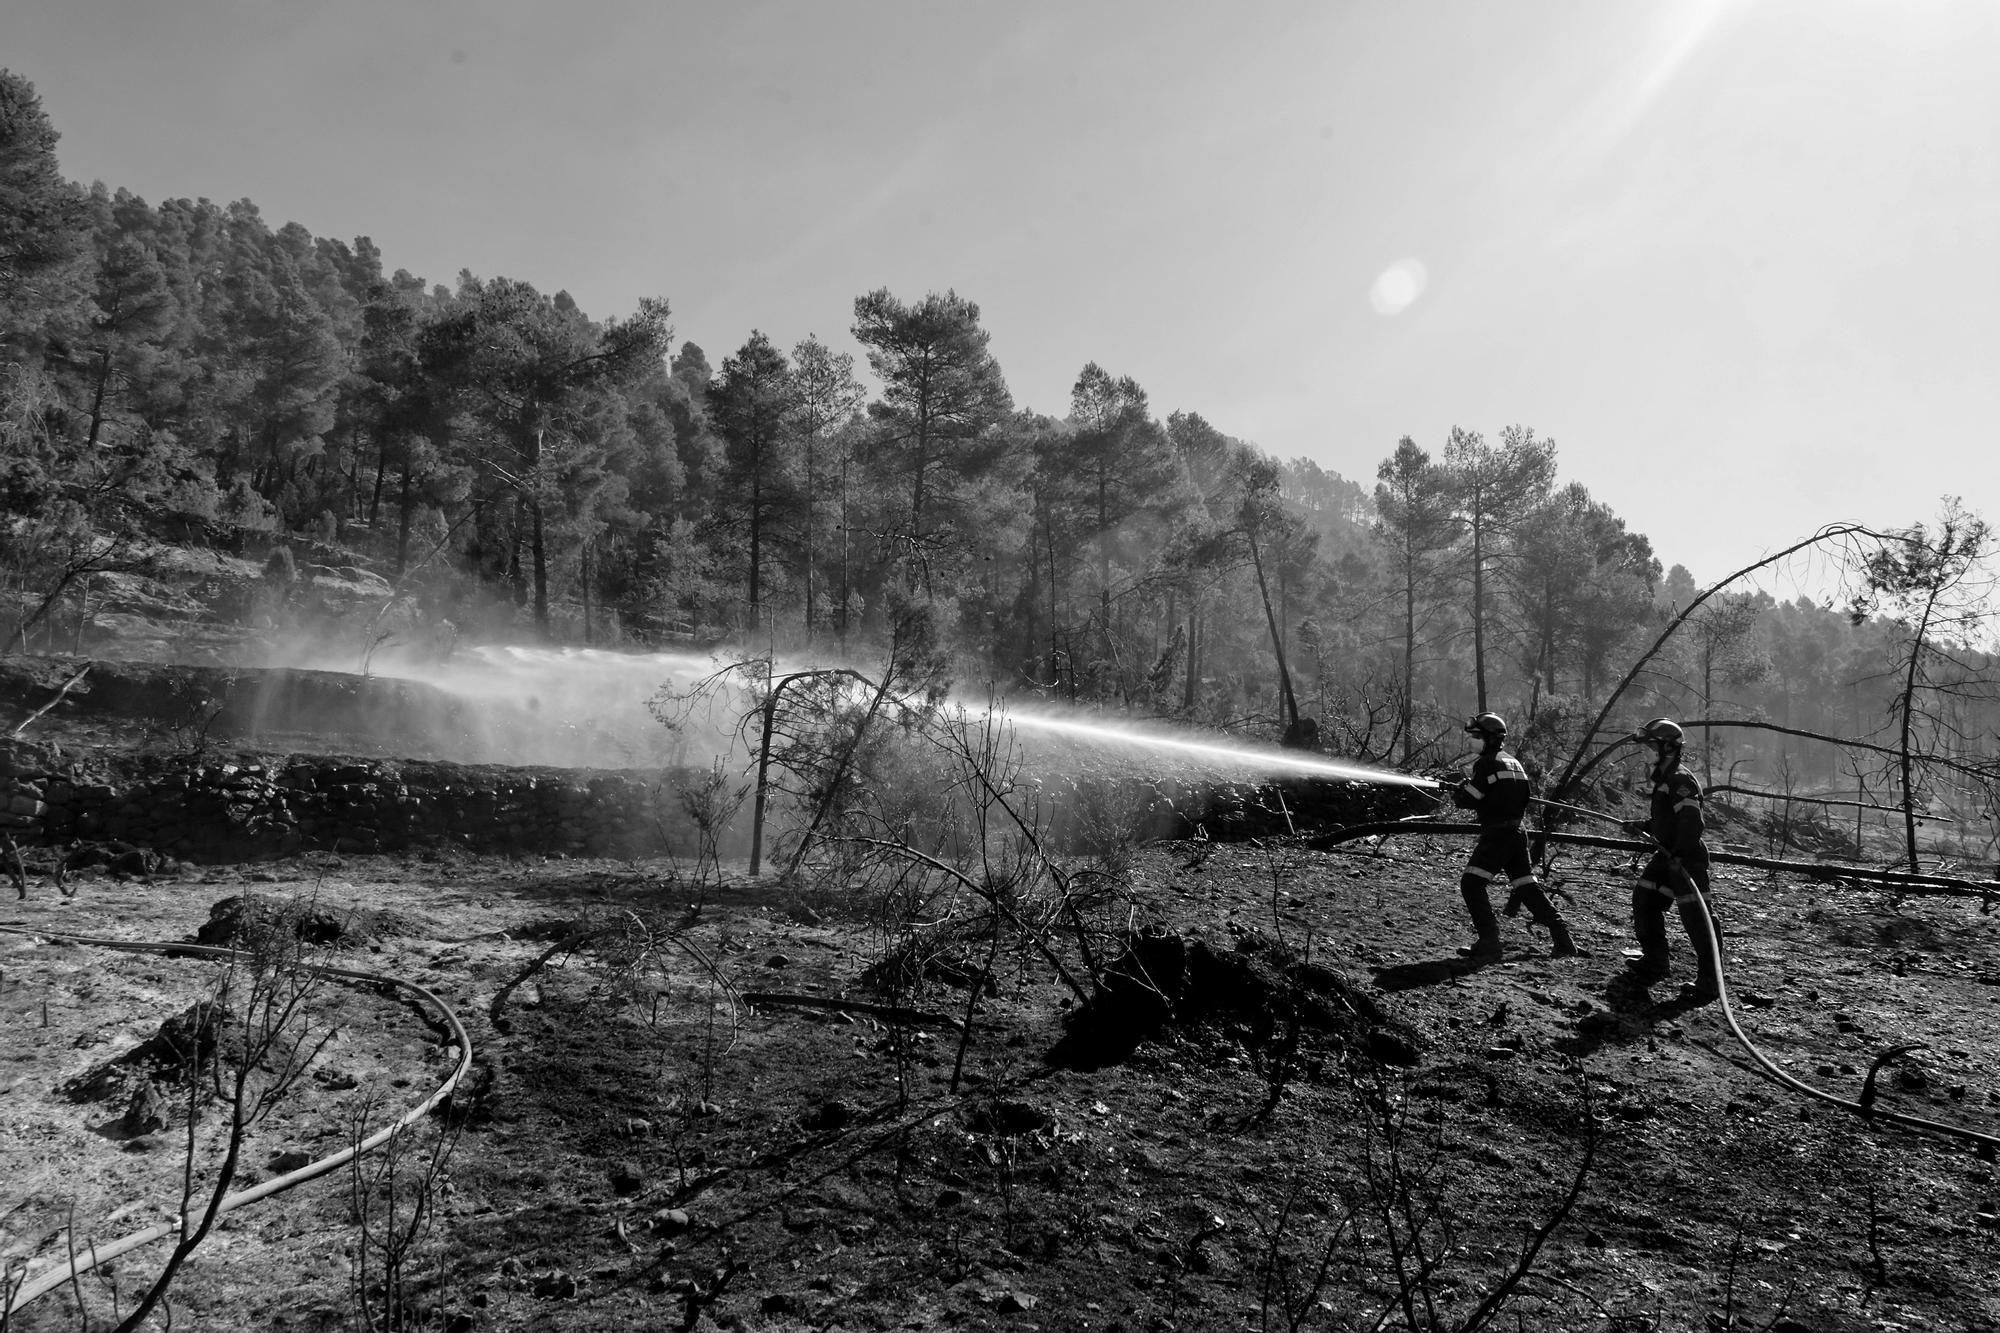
(1498, 791)
(1678, 870)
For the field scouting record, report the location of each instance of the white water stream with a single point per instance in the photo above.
(588, 708)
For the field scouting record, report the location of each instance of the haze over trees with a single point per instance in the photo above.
(183, 371)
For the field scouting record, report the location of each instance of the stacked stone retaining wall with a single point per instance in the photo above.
(168, 793)
(246, 807)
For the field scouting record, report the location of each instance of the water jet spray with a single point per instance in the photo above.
(1220, 754)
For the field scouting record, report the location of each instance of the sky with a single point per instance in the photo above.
(1739, 259)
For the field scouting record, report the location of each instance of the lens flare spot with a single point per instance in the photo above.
(1398, 287)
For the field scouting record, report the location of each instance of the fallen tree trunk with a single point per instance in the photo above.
(1980, 772)
(1791, 798)
(1927, 885)
(61, 694)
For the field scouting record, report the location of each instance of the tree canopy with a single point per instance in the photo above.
(520, 467)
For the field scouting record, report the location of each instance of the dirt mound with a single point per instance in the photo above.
(245, 921)
(949, 955)
(186, 1040)
(120, 858)
(1238, 812)
(553, 929)
(1261, 992)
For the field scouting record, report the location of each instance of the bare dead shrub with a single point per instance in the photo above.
(711, 801)
(1384, 1249)
(266, 1039)
(401, 1269)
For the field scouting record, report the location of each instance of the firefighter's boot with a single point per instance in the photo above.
(1697, 916)
(1485, 949)
(1560, 943)
(1479, 907)
(1544, 914)
(1650, 928)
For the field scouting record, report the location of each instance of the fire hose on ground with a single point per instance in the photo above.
(90, 1256)
(1987, 1143)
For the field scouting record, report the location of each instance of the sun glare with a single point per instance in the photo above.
(1398, 287)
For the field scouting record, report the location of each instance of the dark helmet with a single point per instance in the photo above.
(1488, 724)
(1661, 731)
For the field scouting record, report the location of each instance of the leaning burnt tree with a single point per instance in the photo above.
(1261, 513)
(811, 734)
(1934, 587)
(1850, 535)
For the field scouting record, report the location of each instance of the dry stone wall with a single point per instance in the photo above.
(168, 797)
(246, 807)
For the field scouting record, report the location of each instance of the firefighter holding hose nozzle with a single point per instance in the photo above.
(1678, 870)
(1498, 791)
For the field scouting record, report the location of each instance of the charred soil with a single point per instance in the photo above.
(689, 1108)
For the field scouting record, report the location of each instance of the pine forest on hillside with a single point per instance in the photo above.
(518, 468)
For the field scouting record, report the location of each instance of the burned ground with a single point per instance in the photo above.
(638, 1144)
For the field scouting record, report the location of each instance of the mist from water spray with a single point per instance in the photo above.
(588, 708)
(562, 707)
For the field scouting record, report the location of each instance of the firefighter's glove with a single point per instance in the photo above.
(1635, 827)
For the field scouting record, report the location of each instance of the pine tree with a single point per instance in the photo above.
(44, 230)
(1493, 491)
(942, 392)
(1413, 505)
(755, 403)
(829, 399)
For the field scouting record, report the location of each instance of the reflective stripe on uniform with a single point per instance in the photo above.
(1518, 881)
(1475, 872)
(1690, 801)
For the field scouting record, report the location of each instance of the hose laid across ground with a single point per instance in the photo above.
(1989, 1142)
(96, 1254)
(1866, 1111)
